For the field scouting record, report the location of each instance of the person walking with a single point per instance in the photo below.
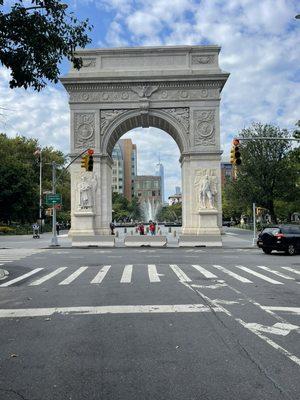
(112, 228)
(141, 229)
(57, 228)
(152, 228)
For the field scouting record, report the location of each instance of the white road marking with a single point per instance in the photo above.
(101, 274)
(21, 278)
(275, 272)
(233, 274)
(152, 272)
(231, 234)
(47, 277)
(276, 346)
(291, 310)
(99, 310)
(204, 271)
(276, 329)
(216, 286)
(127, 274)
(261, 276)
(73, 276)
(181, 275)
(292, 270)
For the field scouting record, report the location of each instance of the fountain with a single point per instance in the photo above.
(149, 209)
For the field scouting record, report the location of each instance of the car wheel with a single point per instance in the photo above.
(266, 251)
(290, 250)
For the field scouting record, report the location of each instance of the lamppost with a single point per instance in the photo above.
(39, 153)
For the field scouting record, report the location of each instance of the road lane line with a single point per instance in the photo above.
(21, 278)
(275, 272)
(101, 274)
(292, 270)
(261, 276)
(127, 274)
(152, 272)
(100, 310)
(291, 310)
(73, 276)
(232, 274)
(204, 271)
(47, 277)
(181, 275)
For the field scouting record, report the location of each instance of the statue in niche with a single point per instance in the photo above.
(86, 189)
(206, 183)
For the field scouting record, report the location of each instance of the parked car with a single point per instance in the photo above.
(226, 223)
(281, 238)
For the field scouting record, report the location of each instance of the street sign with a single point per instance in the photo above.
(52, 199)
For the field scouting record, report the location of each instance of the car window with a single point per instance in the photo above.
(291, 230)
(272, 231)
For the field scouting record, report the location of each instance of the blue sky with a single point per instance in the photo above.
(260, 43)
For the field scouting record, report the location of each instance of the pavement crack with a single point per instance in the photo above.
(15, 392)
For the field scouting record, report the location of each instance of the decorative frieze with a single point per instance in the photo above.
(88, 62)
(203, 59)
(204, 127)
(182, 115)
(144, 91)
(107, 116)
(84, 130)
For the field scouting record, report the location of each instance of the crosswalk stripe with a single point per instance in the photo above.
(261, 276)
(73, 276)
(22, 277)
(292, 270)
(275, 272)
(152, 272)
(233, 274)
(47, 277)
(101, 274)
(181, 275)
(204, 271)
(127, 274)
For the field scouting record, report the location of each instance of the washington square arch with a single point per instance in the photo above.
(176, 89)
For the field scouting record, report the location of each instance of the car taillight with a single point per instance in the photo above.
(279, 235)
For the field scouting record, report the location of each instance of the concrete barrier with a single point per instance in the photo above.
(93, 241)
(143, 240)
(200, 241)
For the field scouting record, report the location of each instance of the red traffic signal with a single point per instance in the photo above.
(90, 152)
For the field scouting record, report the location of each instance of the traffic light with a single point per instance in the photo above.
(235, 155)
(84, 162)
(90, 163)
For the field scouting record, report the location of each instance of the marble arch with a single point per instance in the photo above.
(174, 88)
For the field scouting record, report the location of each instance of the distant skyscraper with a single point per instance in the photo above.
(117, 170)
(161, 172)
(129, 152)
(177, 190)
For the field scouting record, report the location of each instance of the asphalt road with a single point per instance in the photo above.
(112, 324)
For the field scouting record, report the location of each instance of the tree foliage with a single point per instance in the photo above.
(19, 178)
(124, 210)
(34, 40)
(171, 213)
(267, 173)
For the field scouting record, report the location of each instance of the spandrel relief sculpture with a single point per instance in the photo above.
(86, 190)
(206, 189)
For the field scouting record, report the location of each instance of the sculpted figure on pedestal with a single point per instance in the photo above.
(86, 189)
(206, 183)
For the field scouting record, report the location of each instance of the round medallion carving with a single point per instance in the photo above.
(85, 96)
(183, 94)
(204, 92)
(164, 94)
(105, 96)
(85, 131)
(205, 129)
(125, 95)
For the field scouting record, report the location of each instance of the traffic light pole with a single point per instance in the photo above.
(54, 242)
(41, 194)
(254, 225)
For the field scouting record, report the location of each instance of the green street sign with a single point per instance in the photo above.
(52, 199)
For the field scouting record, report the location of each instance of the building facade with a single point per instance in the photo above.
(147, 187)
(226, 172)
(129, 152)
(117, 170)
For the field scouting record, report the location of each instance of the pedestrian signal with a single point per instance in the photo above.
(90, 163)
(84, 162)
(235, 154)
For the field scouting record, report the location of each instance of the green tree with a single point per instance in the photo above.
(266, 173)
(34, 40)
(19, 178)
(170, 213)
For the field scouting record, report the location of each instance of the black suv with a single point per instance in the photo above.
(282, 238)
